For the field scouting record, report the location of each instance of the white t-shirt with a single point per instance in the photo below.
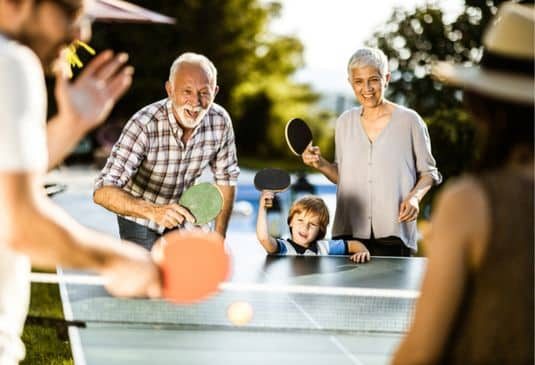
(22, 148)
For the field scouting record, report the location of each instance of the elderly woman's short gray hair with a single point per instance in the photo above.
(197, 59)
(367, 56)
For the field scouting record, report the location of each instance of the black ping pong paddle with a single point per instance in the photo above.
(298, 136)
(272, 179)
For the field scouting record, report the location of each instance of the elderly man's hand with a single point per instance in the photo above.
(89, 99)
(170, 215)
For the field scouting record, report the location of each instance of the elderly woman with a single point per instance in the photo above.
(383, 166)
(476, 303)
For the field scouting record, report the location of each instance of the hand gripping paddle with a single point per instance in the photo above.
(194, 266)
(272, 179)
(298, 136)
(204, 201)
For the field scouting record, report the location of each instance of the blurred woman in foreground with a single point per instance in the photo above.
(476, 303)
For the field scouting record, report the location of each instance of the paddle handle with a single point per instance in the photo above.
(268, 202)
(49, 278)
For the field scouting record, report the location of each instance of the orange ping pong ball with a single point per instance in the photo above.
(240, 313)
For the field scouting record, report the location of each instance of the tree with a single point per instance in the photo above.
(412, 41)
(254, 66)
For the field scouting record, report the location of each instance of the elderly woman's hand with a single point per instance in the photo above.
(409, 209)
(312, 156)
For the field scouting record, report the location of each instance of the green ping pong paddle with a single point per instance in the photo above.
(204, 201)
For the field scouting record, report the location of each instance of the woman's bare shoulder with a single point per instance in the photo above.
(463, 187)
(463, 206)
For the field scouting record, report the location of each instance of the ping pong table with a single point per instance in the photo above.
(319, 328)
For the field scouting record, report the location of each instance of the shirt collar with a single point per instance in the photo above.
(301, 250)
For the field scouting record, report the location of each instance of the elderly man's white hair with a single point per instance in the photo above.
(367, 56)
(196, 59)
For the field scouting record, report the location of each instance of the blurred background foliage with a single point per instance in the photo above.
(256, 68)
(254, 71)
(412, 41)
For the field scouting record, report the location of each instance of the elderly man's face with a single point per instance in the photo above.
(192, 93)
(51, 27)
(368, 85)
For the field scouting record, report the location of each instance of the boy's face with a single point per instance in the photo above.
(305, 228)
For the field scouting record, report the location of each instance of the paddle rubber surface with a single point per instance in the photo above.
(272, 179)
(298, 136)
(204, 201)
(193, 265)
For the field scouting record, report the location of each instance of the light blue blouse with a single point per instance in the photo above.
(374, 178)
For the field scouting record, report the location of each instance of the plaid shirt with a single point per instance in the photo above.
(150, 161)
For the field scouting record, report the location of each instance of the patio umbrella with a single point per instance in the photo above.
(123, 12)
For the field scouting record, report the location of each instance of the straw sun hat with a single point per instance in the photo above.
(124, 12)
(506, 69)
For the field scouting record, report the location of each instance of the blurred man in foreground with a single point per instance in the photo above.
(32, 228)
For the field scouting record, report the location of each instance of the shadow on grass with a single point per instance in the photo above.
(42, 343)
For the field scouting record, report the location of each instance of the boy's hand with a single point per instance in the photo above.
(266, 199)
(361, 256)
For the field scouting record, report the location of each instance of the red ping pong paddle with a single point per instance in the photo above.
(298, 136)
(193, 265)
(272, 179)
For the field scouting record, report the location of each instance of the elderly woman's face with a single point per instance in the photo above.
(368, 85)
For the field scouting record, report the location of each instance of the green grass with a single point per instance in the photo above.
(42, 343)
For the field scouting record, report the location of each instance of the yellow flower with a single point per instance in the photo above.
(72, 58)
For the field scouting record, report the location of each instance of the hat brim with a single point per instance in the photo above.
(507, 86)
(123, 12)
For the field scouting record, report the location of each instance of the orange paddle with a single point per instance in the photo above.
(193, 265)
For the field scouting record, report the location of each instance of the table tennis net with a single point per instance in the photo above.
(357, 311)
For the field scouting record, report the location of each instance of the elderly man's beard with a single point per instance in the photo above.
(186, 119)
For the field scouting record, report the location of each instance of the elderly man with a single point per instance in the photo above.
(164, 149)
(31, 226)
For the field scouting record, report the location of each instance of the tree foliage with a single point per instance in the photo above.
(413, 41)
(254, 66)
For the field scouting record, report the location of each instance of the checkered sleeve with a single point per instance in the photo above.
(127, 154)
(225, 164)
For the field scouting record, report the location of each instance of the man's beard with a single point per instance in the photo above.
(185, 119)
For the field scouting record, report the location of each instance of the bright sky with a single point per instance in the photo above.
(332, 30)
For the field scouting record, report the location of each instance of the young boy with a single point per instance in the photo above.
(308, 219)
